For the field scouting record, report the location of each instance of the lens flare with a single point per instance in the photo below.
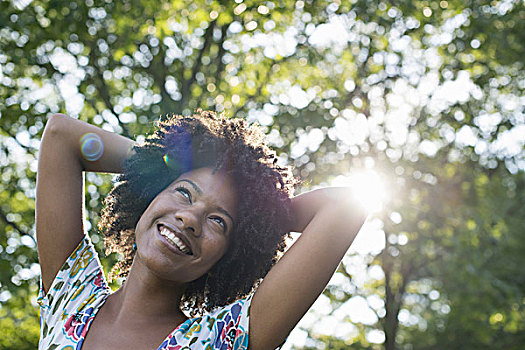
(91, 146)
(170, 162)
(367, 187)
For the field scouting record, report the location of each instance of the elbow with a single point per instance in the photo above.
(54, 139)
(55, 127)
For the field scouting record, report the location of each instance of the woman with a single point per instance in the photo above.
(199, 216)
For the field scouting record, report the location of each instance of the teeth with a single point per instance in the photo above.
(174, 240)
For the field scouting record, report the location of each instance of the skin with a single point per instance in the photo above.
(147, 307)
(158, 275)
(190, 204)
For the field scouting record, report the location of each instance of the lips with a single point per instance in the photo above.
(175, 238)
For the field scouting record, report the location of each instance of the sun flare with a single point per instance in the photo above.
(368, 188)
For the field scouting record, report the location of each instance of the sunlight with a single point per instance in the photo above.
(367, 187)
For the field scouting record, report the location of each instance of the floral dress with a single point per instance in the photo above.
(80, 289)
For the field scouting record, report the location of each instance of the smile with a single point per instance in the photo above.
(174, 240)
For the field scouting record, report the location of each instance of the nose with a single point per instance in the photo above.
(189, 220)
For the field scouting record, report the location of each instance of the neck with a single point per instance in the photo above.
(146, 296)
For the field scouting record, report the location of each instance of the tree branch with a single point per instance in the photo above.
(103, 89)
(218, 59)
(3, 216)
(125, 131)
(158, 71)
(99, 81)
(221, 52)
(186, 84)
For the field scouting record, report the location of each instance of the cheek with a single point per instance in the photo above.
(146, 218)
(144, 225)
(141, 223)
(218, 247)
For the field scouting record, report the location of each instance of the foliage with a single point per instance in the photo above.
(17, 322)
(427, 93)
(480, 243)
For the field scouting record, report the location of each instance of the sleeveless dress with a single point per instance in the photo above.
(80, 289)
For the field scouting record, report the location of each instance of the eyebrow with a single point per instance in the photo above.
(199, 191)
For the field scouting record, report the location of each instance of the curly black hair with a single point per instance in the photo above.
(178, 145)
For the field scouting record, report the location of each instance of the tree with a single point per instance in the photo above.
(438, 129)
(423, 90)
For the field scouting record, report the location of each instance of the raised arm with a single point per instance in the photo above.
(68, 148)
(329, 220)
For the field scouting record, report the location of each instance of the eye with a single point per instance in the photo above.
(219, 221)
(185, 192)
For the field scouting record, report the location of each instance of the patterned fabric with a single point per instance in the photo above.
(80, 289)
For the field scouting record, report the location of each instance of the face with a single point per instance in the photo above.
(186, 228)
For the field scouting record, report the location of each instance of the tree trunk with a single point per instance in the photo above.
(392, 306)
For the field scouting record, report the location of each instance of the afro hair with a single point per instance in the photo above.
(183, 143)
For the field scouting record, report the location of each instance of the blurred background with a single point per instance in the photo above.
(418, 105)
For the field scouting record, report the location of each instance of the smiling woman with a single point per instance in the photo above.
(199, 214)
(246, 168)
(186, 230)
